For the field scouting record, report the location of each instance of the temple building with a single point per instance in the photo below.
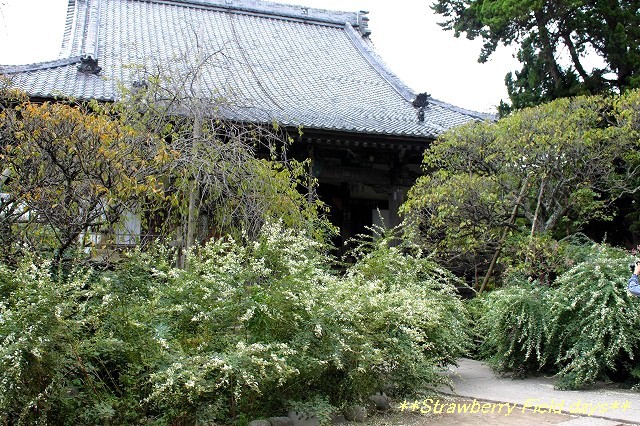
(313, 71)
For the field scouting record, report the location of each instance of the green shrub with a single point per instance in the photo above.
(513, 326)
(419, 320)
(317, 407)
(584, 327)
(70, 346)
(392, 320)
(248, 329)
(594, 323)
(543, 258)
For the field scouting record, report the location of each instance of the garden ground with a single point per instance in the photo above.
(516, 417)
(530, 401)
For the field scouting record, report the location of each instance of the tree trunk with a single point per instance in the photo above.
(192, 213)
(575, 57)
(503, 237)
(536, 214)
(548, 49)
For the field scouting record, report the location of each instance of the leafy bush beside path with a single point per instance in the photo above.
(249, 329)
(585, 327)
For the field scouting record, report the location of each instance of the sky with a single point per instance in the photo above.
(405, 34)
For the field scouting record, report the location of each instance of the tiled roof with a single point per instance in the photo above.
(292, 64)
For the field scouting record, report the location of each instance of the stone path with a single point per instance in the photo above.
(474, 379)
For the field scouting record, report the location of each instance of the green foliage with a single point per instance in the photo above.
(534, 85)
(513, 324)
(249, 328)
(593, 321)
(403, 269)
(72, 346)
(557, 166)
(71, 173)
(584, 328)
(317, 407)
(554, 37)
(67, 170)
(224, 177)
(542, 258)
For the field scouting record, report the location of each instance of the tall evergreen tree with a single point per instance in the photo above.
(556, 39)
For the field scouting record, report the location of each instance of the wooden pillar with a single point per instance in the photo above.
(396, 199)
(398, 191)
(310, 182)
(345, 225)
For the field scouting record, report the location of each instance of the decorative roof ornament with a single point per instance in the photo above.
(89, 65)
(140, 84)
(363, 23)
(421, 102)
(90, 39)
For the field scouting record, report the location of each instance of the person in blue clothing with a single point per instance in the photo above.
(633, 286)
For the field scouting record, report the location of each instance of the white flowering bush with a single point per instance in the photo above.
(594, 322)
(417, 319)
(305, 331)
(512, 326)
(71, 343)
(584, 328)
(247, 329)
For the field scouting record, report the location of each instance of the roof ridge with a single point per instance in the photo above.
(69, 29)
(14, 69)
(405, 91)
(379, 65)
(283, 10)
(91, 29)
(470, 113)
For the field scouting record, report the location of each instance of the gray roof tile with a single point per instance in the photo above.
(292, 64)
